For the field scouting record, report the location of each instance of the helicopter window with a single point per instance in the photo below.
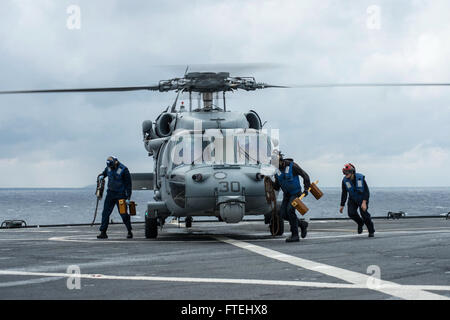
(180, 151)
(229, 148)
(247, 149)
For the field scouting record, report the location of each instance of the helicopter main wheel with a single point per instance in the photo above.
(276, 226)
(151, 228)
(188, 222)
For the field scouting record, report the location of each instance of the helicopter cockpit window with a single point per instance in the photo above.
(253, 148)
(220, 148)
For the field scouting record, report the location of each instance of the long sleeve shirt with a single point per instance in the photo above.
(296, 171)
(126, 179)
(366, 193)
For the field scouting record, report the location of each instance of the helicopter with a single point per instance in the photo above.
(209, 161)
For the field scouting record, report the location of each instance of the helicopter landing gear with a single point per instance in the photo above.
(151, 227)
(276, 225)
(188, 222)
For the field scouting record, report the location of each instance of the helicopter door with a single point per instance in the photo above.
(161, 166)
(159, 162)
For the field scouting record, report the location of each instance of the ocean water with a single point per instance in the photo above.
(67, 206)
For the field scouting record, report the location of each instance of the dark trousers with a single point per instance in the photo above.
(110, 201)
(287, 212)
(353, 214)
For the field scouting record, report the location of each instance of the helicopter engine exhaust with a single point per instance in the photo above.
(164, 126)
(254, 121)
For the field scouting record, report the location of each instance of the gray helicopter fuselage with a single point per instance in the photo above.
(208, 163)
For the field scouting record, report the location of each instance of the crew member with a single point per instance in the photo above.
(119, 187)
(354, 184)
(287, 178)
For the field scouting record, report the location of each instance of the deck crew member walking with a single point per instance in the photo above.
(119, 187)
(287, 178)
(354, 184)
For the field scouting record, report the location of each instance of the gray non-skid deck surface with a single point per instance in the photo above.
(187, 263)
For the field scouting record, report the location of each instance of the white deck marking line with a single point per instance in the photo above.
(28, 239)
(93, 240)
(312, 237)
(187, 279)
(27, 282)
(72, 238)
(359, 279)
(386, 230)
(364, 235)
(202, 280)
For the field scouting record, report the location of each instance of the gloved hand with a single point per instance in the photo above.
(100, 177)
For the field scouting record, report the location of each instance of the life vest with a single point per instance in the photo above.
(115, 181)
(355, 192)
(289, 183)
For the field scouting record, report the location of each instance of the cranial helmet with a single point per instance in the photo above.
(348, 168)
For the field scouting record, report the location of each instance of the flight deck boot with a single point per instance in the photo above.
(303, 228)
(293, 238)
(129, 235)
(360, 228)
(102, 235)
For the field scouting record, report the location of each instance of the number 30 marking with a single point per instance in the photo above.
(235, 186)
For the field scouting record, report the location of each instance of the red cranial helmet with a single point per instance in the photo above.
(348, 168)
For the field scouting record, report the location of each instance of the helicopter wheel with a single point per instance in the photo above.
(188, 222)
(276, 226)
(151, 228)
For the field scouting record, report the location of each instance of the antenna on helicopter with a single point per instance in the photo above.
(174, 106)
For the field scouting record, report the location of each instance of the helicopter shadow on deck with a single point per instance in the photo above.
(199, 236)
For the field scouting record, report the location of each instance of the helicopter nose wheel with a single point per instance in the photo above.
(188, 222)
(151, 228)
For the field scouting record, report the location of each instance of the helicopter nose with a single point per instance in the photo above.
(206, 187)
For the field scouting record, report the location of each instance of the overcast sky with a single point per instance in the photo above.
(395, 136)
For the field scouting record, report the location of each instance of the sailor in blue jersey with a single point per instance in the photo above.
(287, 179)
(119, 187)
(354, 184)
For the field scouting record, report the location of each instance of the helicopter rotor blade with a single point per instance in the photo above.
(110, 89)
(240, 83)
(265, 85)
(352, 85)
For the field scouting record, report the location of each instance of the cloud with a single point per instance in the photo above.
(63, 140)
(422, 165)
